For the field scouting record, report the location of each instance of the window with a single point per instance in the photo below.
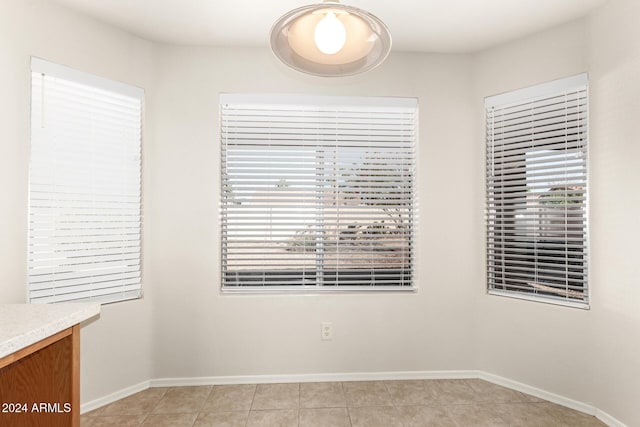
(84, 187)
(537, 192)
(317, 192)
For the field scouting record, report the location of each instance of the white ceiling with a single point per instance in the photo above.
(416, 25)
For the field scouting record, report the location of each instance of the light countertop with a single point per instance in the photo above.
(24, 324)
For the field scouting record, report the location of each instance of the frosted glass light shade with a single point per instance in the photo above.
(367, 41)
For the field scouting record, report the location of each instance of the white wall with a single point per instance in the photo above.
(114, 354)
(590, 356)
(199, 332)
(614, 65)
(537, 344)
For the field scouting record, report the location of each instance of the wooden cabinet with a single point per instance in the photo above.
(40, 384)
(40, 363)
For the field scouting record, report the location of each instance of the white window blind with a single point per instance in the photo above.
(537, 192)
(85, 211)
(317, 192)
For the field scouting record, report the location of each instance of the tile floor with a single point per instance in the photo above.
(452, 403)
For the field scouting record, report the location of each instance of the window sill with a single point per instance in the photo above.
(572, 304)
(311, 290)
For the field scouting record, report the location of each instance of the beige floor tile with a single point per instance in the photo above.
(375, 416)
(464, 402)
(530, 399)
(95, 412)
(453, 392)
(525, 415)
(489, 392)
(322, 395)
(477, 415)
(169, 420)
(324, 417)
(568, 417)
(276, 396)
(413, 392)
(366, 393)
(116, 421)
(424, 416)
(189, 392)
(545, 414)
(136, 404)
(222, 419)
(273, 418)
(227, 398)
(182, 400)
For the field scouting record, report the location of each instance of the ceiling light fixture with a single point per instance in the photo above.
(330, 40)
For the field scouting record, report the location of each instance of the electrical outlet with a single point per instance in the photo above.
(327, 331)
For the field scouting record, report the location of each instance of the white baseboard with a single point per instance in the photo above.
(110, 398)
(307, 378)
(608, 419)
(356, 376)
(553, 398)
(542, 394)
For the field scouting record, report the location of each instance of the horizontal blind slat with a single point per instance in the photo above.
(537, 192)
(307, 189)
(85, 212)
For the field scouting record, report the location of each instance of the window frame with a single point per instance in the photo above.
(531, 95)
(322, 101)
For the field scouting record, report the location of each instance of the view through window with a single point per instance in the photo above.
(317, 192)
